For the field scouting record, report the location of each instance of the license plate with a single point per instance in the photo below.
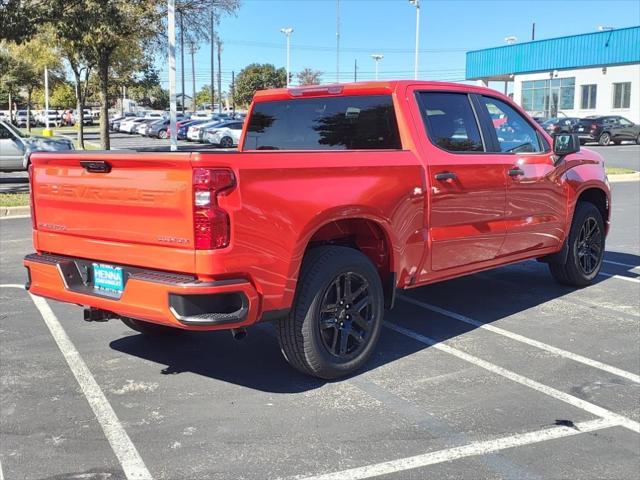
(108, 277)
(581, 129)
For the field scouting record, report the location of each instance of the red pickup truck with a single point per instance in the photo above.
(336, 197)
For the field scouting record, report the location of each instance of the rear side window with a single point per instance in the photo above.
(327, 123)
(450, 121)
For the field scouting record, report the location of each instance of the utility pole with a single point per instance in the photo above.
(355, 70)
(192, 51)
(287, 33)
(46, 132)
(213, 36)
(219, 76)
(181, 56)
(233, 91)
(172, 74)
(416, 3)
(376, 58)
(338, 41)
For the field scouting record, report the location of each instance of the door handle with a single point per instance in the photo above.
(442, 176)
(514, 172)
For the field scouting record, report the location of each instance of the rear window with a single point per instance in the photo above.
(327, 123)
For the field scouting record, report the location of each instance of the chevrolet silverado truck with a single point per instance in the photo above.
(337, 196)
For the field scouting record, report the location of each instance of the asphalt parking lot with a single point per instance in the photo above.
(503, 374)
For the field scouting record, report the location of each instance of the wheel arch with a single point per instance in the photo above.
(364, 232)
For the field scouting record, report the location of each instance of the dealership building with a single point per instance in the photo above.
(590, 74)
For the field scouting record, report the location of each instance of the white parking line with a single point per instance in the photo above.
(473, 449)
(124, 449)
(12, 285)
(621, 264)
(13, 217)
(522, 380)
(1, 473)
(620, 277)
(529, 341)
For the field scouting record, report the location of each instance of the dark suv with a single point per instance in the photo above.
(560, 125)
(607, 129)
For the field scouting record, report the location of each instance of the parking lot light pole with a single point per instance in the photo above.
(416, 3)
(287, 32)
(46, 132)
(377, 57)
(171, 4)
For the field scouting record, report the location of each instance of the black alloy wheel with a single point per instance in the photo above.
(589, 247)
(346, 316)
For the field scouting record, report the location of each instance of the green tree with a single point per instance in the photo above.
(28, 61)
(308, 76)
(256, 77)
(63, 96)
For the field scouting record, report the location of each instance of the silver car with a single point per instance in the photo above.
(16, 147)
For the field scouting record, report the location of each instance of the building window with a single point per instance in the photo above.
(588, 101)
(547, 97)
(622, 95)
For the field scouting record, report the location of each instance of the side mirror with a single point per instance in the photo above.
(565, 144)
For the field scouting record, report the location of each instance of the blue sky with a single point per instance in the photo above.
(448, 28)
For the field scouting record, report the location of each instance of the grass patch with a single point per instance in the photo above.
(14, 199)
(618, 171)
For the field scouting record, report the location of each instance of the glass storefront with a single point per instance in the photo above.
(548, 97)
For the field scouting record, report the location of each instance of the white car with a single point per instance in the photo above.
(227, 136)
(53, 116)
(194, 133)
(155, 115)
(127, 125)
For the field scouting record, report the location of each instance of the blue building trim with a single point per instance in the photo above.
(613, 47)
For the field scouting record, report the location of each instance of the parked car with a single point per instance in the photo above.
(16, 147)
(194, 132)
(137, 128)
(53, 117)
(606, 129)
(159, 129)
(330, 205)
(184, 127)
(87, 117)
(201, 115)
(226, 135)
(560, 125)
(127, 125)
(114, 122)
(21, 118)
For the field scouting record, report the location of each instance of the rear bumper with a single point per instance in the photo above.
(160, 297)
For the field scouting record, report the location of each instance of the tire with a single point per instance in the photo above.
(617, 142)
(604, 139)
(312, 336)
(586, 252)
(638, 139)
(148, 328)
(162, 134)
(226, 142)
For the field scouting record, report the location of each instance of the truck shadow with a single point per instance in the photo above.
(256, 361)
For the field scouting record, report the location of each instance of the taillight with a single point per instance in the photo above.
(31, 196)
(211, 223)
(594, 126)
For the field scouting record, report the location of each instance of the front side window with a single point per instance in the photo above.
(622, 95)
(515, 134)
(324, 123)
(588, 101)
(450, 121)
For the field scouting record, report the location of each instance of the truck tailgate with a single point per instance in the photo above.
(120, 207)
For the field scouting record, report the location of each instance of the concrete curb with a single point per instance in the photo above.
(625, 177)
(15, 211)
